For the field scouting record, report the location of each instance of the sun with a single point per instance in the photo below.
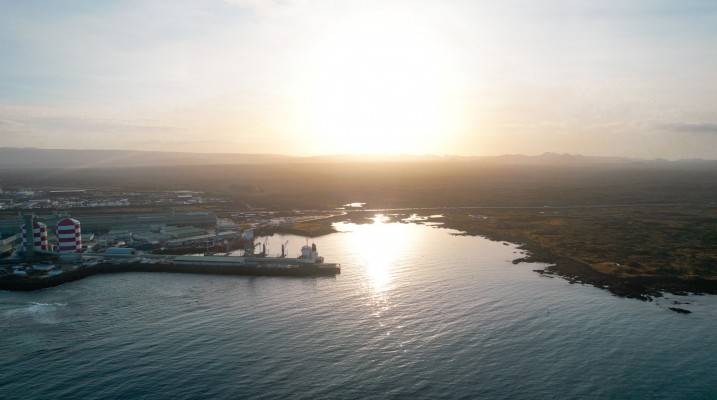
(378, 84)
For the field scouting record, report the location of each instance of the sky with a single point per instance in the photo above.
(310, 77)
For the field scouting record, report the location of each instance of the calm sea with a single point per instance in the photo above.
(416, 313)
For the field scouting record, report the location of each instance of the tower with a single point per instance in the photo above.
(69, 236)
(34, 235)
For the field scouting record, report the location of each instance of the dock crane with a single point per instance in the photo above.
(283, 249)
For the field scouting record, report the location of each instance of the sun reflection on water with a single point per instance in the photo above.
(383, 245)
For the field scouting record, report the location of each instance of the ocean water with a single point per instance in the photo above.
(416, 313)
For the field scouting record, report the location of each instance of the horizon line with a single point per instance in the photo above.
(367, 155)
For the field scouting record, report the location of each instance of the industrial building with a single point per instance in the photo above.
(65, 235)
(7, 244)
(99, 223)
(200, 239)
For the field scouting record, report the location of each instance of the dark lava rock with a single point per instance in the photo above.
(680, 310)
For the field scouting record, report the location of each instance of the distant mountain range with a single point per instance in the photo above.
(11, 157)
(66, 158)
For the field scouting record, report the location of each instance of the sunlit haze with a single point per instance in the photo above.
(306, 78)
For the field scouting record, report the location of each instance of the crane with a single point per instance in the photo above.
(283, 249)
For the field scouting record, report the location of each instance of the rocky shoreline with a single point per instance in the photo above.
(644, 288)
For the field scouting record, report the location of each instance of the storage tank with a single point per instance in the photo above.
(37, 236)
(69, 236)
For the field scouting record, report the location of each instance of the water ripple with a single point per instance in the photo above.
(441, 317)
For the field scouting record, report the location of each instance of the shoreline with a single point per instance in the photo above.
(642, 287)
(641, 284)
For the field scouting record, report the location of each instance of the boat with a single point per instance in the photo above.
(307, 263)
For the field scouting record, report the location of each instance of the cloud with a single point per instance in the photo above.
(709, 128)
(270, 8)
(12, 132)
(9, 124)
(61, 129)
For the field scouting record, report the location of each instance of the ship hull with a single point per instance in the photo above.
(29, 283)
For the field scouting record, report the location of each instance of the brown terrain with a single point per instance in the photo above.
(636, 228)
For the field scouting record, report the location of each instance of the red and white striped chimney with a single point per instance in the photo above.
(38, 236)
(69, 236)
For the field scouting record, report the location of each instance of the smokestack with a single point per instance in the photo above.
(29, 236)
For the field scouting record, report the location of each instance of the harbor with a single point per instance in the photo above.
(47, 257)
(45, 274)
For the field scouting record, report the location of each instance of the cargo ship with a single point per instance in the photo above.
(309, 263)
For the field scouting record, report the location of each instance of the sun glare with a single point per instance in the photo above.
(386, 244)
(379, 84)
(378, 267)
